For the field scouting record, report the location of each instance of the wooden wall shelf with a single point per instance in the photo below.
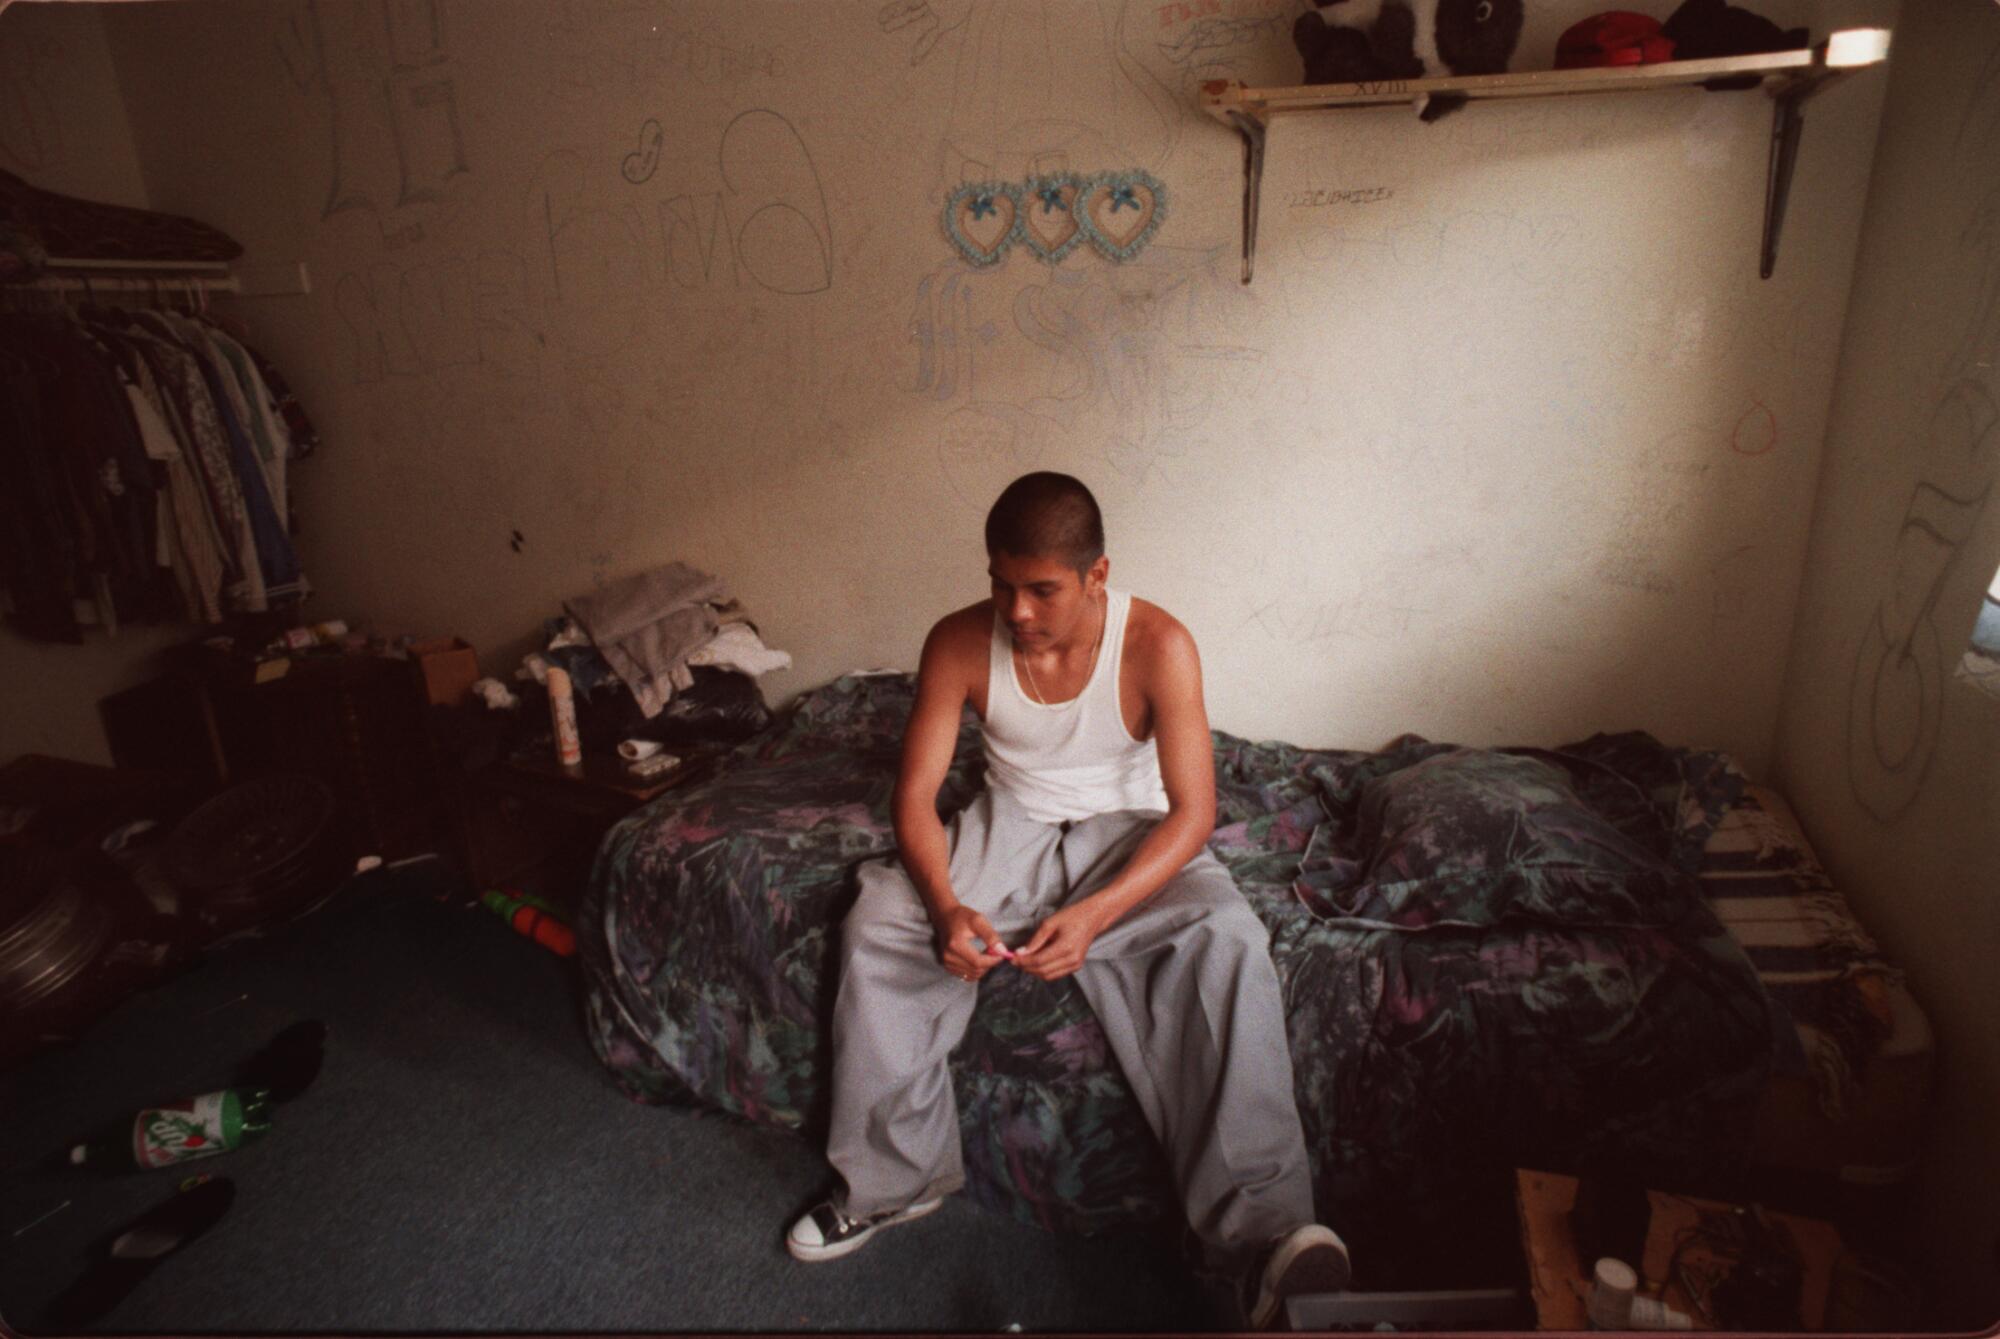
(1790, 77)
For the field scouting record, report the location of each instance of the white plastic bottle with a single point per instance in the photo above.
(1650, 1313)
(1615, 1303)
(1613, 1286)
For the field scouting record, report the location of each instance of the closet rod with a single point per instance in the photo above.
(269, 279)
(110, 283)
(159, 267)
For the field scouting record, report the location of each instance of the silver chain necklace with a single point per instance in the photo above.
(1043, 701)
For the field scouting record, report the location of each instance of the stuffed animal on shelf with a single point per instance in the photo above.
(1365, 41)
(1470, 36)
(1358, 42)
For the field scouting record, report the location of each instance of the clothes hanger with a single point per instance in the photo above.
(90, 308)
(66, 308)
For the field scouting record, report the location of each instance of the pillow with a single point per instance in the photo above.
(1669, 799)
(1472, 837)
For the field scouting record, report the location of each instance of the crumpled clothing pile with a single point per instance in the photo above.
(647, 632)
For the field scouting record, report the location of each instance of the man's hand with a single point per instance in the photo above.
(1060, 942)
(956, 930)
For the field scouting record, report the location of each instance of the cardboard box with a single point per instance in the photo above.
(449, 668)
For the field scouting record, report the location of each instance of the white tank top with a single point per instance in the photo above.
(1074, 759)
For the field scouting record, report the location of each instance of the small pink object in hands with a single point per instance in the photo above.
(997, 948)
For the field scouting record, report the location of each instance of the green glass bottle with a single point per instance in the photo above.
(195, 1127)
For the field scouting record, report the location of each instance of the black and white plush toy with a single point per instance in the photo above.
(1358, 41)
(1362, 41)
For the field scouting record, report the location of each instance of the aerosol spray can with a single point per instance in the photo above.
(562, 709)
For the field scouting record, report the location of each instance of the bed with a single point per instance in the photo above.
(1491, 958)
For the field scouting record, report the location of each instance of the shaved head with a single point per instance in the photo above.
(1044, 515)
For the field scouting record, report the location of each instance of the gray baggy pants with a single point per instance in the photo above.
(1183, 986)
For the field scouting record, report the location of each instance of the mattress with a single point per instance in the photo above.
(1436, 1042)
(1849, 1097)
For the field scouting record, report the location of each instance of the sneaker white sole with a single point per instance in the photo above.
(1310, 1260)
(813, 1255)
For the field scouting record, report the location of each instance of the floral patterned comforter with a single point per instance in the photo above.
(1490, 958)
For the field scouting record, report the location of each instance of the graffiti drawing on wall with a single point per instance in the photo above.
(1040, 87)
(1117, 365)
(459, 311)
(768, 222)
(1160, 49)
(582, 242)
(1213, 39)
(781, 232)
(922, 22)
(621, 49)
(1674, 485)
(1896, 696)
(1126, 368)
(639, 165)
(393, 134)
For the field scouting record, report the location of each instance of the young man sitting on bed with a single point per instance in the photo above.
(1086, 854)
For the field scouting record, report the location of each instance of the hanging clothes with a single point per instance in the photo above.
(276, 564)
(145, 461)
(187, 393)
(187, 533)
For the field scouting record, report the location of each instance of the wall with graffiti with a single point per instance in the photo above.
(1889, 743)
(1507, 441)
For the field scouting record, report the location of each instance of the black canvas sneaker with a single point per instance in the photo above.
(1309, 1259)
(825, 1233)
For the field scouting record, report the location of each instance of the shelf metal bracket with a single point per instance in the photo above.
(1788, 123)
(1253, 130)
(1848, 49)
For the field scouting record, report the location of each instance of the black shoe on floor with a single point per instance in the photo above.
(126, 1259)
(825, 1233)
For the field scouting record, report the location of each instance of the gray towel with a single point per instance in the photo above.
(648, 625)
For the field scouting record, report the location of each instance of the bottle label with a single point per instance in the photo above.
(179, 1131)
(569, 748)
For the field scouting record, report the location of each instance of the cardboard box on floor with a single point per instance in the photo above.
(449, 667)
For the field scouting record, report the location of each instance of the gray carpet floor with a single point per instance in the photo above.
(464, 1164)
